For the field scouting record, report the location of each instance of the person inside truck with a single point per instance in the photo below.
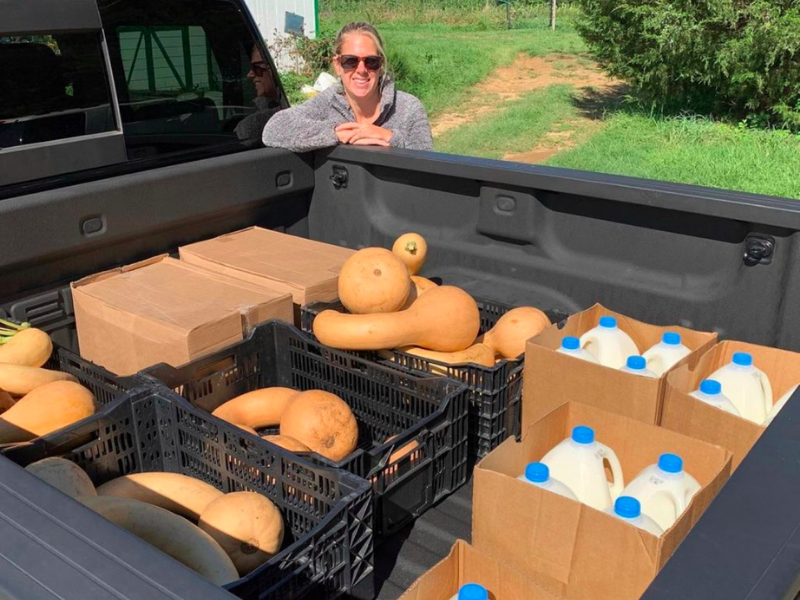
(267, 100)
(364, 109)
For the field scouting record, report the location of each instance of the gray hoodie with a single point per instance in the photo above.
(310, 125)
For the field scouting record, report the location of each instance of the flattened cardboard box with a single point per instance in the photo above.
(163, 310)
(465, 564)
(591, 554)
(552, 378)
(306, 269)
(690, 416)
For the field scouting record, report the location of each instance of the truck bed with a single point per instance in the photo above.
(554, 238)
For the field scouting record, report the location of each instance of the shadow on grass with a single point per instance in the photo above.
(599, 103)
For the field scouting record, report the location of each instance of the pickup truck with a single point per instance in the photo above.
(118, 141)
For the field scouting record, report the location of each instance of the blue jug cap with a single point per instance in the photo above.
(712, 387)
(570, 343)
(671, 463)
(609, 322)
(637, 363)
(743, 359)
(473, 591)
(671, 338)
(537, 472)
(583, 434)
(628, 507)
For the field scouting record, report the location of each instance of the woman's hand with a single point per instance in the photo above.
(363, 135)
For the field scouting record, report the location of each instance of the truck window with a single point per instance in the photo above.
(54, 87)
(183, 74)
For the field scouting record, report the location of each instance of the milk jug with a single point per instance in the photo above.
(661, 357)
(629, 510)
(572, 347)
(664, 490)
(746, 386)
(710, 392)
(471, 591)
(538, 474)
(637, 365)
(779, 405)
(609, 344)
(578, 463)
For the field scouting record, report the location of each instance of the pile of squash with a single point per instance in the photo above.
(220, 536)
(391, 307)
(311, 421)
(35, 401)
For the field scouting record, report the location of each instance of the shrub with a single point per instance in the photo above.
(735, 57)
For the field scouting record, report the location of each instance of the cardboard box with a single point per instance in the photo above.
(551, 378)
(591, 554)
(163, 310)
(306, 269)
(687, 415)
(466, 564)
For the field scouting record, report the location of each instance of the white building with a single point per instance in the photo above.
(279, 19)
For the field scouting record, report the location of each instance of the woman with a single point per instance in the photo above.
(267, 100)
(365, 110)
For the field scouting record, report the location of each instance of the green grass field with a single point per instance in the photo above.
(440, 49)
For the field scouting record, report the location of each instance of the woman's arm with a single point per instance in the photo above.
(302, 128)
(416, 134)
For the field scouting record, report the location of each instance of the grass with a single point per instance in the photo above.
(691, 150)
(520, 126)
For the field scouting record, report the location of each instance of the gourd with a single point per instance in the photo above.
(323, 422)
(479, 354)
(373, 280)
(23, 344)
(412, 249)
(21, 379)
(63, 475)
(180, 494)
(173, 535)
(247, 526)
(256, 409)
(286, 442)
(48, 408)
(422, 284)
(514, 329)
(445, 319)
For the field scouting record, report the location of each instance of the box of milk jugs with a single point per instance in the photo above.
(624, 362)
(731, 394)
(592, 503)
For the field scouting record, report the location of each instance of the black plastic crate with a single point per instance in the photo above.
(328, 546)
(495, 393)
(431, 411)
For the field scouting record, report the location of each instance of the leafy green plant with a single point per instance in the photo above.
(723, 57)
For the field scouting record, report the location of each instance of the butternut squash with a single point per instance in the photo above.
(422, 284)
(412, 249)
(445, 319)
(247, 526)
(21, 379)
(180, 494)
(514, 329)
(63, 475)
(22, 345)
(374, 280)
(246, 428)
(479, 354)
(289, 443)
(323, 422)
(173, 535)
(48, 408)
(256, 409)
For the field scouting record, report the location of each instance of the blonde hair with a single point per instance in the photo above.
(361, 28)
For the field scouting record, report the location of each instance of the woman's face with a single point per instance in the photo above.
(359, 81)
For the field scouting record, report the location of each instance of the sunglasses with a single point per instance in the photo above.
(350, 62)
(260, 68)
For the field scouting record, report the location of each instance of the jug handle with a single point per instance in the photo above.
(588, 338)
(618, 484)
(766, 388)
